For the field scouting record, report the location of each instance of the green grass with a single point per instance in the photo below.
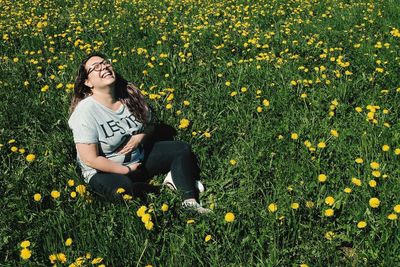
(294, 37)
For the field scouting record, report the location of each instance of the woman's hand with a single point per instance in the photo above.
(132, 144)
(133, 167)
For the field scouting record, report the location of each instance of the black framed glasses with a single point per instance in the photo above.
(98, 66)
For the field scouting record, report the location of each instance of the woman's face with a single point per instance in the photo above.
(100, 72)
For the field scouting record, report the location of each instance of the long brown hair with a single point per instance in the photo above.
(125, 92)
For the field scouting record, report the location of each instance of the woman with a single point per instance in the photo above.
(110, 122)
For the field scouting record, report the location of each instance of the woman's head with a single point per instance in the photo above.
(90, 74)
(96, 72)
(99, 72)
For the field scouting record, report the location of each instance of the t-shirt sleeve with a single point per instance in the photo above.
(83, 129)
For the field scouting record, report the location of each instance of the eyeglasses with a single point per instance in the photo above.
(98, 65)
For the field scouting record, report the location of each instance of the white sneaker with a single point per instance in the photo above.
(168, 182)
(195, 206)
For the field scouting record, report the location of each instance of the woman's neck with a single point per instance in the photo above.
(105, 96)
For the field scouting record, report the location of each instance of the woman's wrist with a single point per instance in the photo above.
(129, 169)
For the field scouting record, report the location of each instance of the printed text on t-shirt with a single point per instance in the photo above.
(111, 127)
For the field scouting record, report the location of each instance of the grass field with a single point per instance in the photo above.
(293, 111)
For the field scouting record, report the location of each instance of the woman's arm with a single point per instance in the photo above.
(89, 154)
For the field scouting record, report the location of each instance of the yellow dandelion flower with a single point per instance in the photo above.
(44, 88)
(329, 212)
(73, 194)
(184, 123)
(97, 260)
(397, 208)
(233, 162)
(321, 145)
(329, 235)
(307, 143)
(25, 244)
(273, 207)
(68, 242)
(164, 207)
(228, 83)
(361, 224)
(30, 157)
(207, 238)
(385, 148)
(309, 204)
(329, 200)
(243, 89)
(190, 221)
(81, 189)
(127, 197)
(356, 181)
(392, 216)
(376, 174)
(259, 109)
(295, 205)
(14, 149)
(322, 178)
(374, 202)
(146, 217)
(52, 258)
(120, 190)
(37, 197)
(334, 133)
(348, 190)
(71, 182)
(229, 217)
(359, 160)
(170, 97)
(372, 183)
(294, 136)
(358, 109)
(397, 151)
(141, 211)
(265, 102)
(374, 165)
(55, 194)
(25, 254)
(186, 103)
(61, 257)
(233, 93)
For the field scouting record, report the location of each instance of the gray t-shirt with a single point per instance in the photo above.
(92, 122)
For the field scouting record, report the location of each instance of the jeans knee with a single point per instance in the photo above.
(186, 148)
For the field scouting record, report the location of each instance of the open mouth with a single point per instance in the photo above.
(107, 74)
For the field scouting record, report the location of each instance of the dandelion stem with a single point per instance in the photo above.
(144, 249)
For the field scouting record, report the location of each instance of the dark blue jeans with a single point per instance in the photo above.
(160, 158)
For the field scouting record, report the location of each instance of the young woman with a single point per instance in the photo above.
(111, 122)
